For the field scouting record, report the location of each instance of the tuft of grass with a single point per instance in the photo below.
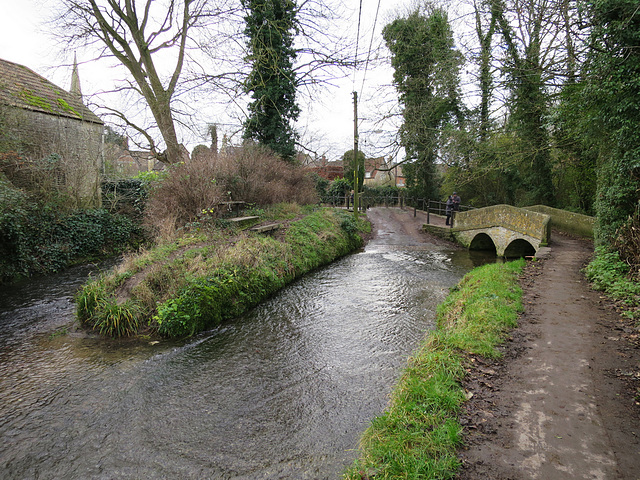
(418, 435)
(117, 320)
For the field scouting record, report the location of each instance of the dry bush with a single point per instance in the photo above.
(180, 197)
(248, 174)
(43, 179)
(254, 175)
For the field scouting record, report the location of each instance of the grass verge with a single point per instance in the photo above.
(418, 435)
(211, 275)
(609, 274)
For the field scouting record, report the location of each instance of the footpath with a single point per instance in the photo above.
(564, 401)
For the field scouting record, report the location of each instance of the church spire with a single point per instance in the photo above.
(75, 80)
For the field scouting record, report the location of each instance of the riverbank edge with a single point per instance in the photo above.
(197, 282)
(419, 434)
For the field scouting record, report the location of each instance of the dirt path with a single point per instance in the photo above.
(563, 402)
(403, 227)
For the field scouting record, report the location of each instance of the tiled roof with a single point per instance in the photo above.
(22, 87)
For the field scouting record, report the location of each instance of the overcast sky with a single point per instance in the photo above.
(25, 39)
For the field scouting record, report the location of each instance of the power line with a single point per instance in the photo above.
(373, 31)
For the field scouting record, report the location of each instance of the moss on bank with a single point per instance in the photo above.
(210, 276)
(418, 435)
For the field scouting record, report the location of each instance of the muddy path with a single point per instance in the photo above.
(563, 401)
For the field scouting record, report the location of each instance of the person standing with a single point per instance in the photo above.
(448, 210)
(456, 201)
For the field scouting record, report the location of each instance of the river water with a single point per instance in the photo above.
(283, 392)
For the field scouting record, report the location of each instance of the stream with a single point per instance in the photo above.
(283, 392)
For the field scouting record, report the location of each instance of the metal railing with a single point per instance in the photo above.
(426, 205)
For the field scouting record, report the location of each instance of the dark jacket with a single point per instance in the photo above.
(449, 206)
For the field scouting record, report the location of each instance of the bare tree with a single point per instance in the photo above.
(143, 36)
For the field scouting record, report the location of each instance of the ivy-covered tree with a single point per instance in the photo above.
(270, 29)
(426, 75)
(528, 74)
(349, 167)
(611, 96)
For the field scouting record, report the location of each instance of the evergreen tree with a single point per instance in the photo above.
(349, 167)
(426, 67)
(270, 29)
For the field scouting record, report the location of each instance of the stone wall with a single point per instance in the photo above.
(36, 135)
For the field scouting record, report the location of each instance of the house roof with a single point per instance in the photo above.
(22, 87)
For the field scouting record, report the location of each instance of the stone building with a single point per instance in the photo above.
(45, 127)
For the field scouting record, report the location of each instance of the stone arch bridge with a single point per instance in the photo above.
(512, 231)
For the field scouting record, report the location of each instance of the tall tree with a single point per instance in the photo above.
(270, 30)
(611, 96)
(526, 72)
(426, 75)
(485, 37)
(138, 33)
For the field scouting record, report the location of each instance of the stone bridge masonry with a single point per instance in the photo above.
(512, 231)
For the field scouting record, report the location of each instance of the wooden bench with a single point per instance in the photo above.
(232, 206)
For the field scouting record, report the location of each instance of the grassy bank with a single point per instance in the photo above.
(419, 433)
(213, 274)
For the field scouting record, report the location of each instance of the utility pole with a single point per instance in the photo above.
(356, 164)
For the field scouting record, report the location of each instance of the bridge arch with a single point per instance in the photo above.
(482, 241)
(519, 248)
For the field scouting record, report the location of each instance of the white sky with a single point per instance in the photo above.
(24, 39)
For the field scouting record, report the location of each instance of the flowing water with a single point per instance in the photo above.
(283, 392)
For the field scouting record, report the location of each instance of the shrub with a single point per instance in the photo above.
(610, 274)
(37, 238)
(255, 175)
(338, 188)
(378, 195)
(627, 243)
(125, 196)
(248, 174)
(186, 189)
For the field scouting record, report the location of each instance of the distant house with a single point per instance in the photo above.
(326, 169)
(39, 119)
(399, 177)
(379, 173)
(121, 161)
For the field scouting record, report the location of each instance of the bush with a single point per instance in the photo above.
(627, 243)
(125, 196)
(255, 175)
(340, 187)
(378, 195)
(248, 174)
(185, 190)
(37, 238)
(610, 274)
